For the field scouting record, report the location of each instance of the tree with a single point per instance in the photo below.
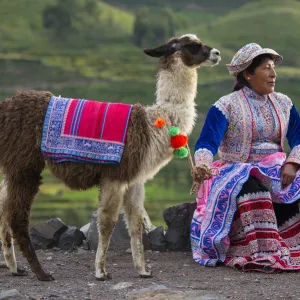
(153, 26)
(58, 19)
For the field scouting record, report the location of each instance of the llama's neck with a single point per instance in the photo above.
(176, 86)
(175, 94)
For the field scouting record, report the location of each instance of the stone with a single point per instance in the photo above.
(85, 245)
(70, 239)
(146, 241)
(122, 285)
(161, 292)
(84, 229)
(45, 235)
(10, 294)
(120, 238)
(178, 219)
(157, 239)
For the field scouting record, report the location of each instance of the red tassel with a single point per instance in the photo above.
(179, 141)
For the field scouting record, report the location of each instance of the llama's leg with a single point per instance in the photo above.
(134, 216)
(5, 236)
(9, 252)
(21, 190)
(110, 202)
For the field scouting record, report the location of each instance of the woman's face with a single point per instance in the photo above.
(263, 79)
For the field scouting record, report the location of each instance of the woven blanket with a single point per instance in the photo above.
(85, 131)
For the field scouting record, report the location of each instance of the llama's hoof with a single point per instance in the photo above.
(146, 274)
(104, 276)
(20, 272)
(45, 277)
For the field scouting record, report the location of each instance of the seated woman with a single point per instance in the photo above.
(248, 215)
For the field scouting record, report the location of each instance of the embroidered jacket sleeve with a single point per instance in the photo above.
(293, 136)
(212, 133)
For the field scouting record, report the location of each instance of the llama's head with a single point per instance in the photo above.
(186, 49)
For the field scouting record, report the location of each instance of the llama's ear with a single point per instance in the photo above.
(163, 50)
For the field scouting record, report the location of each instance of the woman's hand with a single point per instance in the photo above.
(201, 173)
(288, 174)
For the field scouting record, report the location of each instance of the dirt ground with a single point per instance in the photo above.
(74, 278)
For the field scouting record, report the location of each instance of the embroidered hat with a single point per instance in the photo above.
(244, 57)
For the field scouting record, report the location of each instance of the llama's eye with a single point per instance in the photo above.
(193, 48)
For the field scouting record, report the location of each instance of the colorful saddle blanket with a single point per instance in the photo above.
(85, 131)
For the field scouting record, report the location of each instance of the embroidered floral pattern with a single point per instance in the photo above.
(237, 142)
(209, 232)
(203, 156)
(254, 95)
(294, 156)
(222, 105)
(243, 58)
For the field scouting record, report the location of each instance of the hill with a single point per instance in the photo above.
(270, 23)
(22, 25)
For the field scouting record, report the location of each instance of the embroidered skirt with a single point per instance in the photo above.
(245, 220)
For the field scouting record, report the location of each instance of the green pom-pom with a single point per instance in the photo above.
(174, 131)
(181, 152)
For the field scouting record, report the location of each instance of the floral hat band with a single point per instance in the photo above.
(244, 57)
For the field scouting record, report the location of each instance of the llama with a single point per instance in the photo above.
(147, 150)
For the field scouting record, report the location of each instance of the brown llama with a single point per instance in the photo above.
(146, 151)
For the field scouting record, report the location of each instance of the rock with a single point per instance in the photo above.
(81, 251)
(10, 294)
(85, 245)
(71, 238)
(84, 229)
(122, 285)
(45, 235)
(178, 219)
(157, 239)
(161, 292)
(120, 237)
(146, 241)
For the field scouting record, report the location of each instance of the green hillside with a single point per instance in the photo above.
(22, 27)
(270, 23)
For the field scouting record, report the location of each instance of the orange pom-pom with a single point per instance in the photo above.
(179, 141)
(159, 123)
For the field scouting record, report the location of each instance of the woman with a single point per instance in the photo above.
(248, 216)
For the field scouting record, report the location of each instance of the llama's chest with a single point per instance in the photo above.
(158, 155)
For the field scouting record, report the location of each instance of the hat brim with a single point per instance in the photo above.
(235, 69)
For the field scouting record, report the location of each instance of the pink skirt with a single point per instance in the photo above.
(239, 227)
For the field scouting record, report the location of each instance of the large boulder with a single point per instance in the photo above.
(157, 239)
(70, 239)
(178, 219)
(45, 235)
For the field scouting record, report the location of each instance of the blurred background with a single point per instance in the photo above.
(92, 49)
